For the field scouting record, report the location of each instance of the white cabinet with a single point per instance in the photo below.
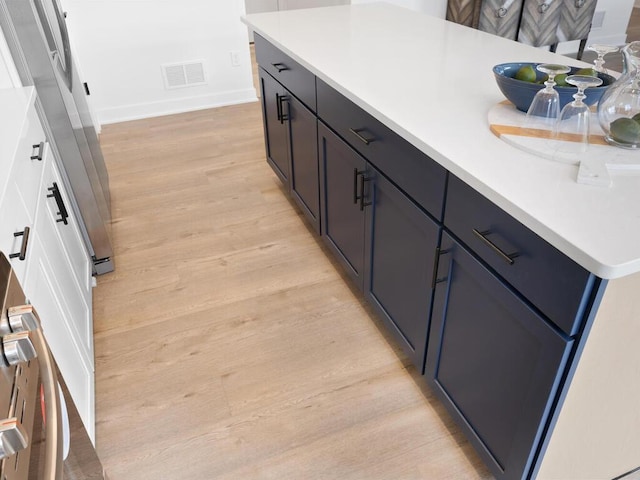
(24, 165)
(55, 271)
(58, 284)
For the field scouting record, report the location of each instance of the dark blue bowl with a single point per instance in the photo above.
(521, 93)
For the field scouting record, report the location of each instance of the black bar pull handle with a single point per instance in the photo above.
(62, 210)
(278, 108)
(283, 116)
(40, 148)
(363, 179)
(362, 138)
(281, 67)
(507, 257)
(355, 185)
(434, 279)
(22, 255)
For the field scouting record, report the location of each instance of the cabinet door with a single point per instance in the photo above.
(58, 284)
(400, 245)
(493, 361)
(342, 171)
(275, 126)
(304, 158)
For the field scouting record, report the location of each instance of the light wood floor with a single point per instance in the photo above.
(228, 345)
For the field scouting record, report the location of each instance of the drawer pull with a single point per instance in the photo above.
(507, 257)
(62, 210)
(364, 140)
(23, 248)
(281, 67)
(40, 148)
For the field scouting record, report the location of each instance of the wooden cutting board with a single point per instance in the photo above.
(506, 122)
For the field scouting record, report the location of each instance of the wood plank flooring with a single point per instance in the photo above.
(228, 345)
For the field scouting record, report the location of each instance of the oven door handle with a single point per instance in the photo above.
(52, 414)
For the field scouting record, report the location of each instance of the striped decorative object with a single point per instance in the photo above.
(540, 19)
(464, 12)
(500, 17)
(575, 19)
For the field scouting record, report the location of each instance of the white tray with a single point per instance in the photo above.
(505, 122)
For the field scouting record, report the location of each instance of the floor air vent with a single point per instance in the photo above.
(177, 75)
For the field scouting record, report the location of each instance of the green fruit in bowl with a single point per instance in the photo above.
(526, 73)
(625, 130)
(561, 80)
(589, 72)
(636, 117)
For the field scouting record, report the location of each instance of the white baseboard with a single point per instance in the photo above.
(173, 106)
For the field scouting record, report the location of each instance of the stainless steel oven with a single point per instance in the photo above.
(41, 434)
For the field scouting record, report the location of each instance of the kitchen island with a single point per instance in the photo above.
(430, 83)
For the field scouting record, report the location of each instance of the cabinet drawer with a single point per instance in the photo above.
(28, 162)
(297, 79)
(551, 281)
(410, 169)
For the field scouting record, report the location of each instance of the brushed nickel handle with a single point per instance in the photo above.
(507, 257)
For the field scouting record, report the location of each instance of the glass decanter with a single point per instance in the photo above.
(619, 107)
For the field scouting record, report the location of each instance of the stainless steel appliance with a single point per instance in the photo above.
(41, 434)
(37, 36)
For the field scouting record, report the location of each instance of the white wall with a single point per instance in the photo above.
(121, 45)
(616, 20)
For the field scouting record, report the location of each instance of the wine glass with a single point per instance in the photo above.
(545, 107)
(601, 50)
(572, 128)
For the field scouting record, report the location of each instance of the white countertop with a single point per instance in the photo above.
(14, 105)
(431, 81)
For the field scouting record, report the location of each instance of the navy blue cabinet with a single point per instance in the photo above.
(343, 192)
(386, 243)
(303, 141)
(275, 128)
(488, 310)
(400, 245)
(291, 143)
(493, 360)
